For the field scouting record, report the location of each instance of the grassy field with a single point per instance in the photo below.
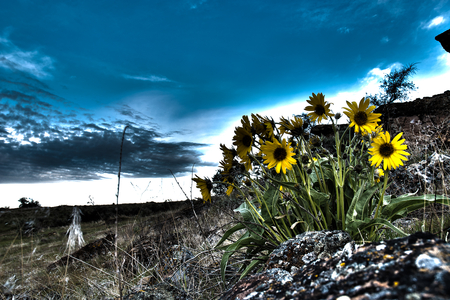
(148, 247)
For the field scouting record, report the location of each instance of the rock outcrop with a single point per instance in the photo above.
(414, 267)
(424, 121)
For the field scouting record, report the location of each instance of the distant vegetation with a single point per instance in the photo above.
(28, 203)
(44, 217)
(395, 86)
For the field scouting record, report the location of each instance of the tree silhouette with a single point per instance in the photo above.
(25, 203)
(394, 86)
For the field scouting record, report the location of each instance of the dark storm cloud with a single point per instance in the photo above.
(39, 142)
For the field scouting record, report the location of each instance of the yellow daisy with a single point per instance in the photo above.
(229, 180)
(361, 116)
(247, 163)
(284, 125)
(376, 133)
(226, 166)
(319, 108)
(294, 127)
(278, 155)
(243, 140)
(205, 186)
(378, 174)
(389, 152)
(245, 121)
(262, 126)
(228, 154)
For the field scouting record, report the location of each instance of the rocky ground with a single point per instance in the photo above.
(328, 265)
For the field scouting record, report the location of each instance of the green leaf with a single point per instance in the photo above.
(253, 264)
(359, 207)
(394, 208)
(245, 241)
(367, 224)
(319, 198)
(269, 206)
(246, 211)
(229, 232)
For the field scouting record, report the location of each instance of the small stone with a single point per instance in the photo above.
(424, 261)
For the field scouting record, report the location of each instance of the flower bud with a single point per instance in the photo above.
(305, 159)
(315, 141)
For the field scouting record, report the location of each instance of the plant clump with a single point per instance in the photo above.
(289, 183)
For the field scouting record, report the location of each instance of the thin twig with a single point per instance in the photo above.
(117, 216)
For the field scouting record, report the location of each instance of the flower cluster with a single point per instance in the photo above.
(292, 181)
(260, 140)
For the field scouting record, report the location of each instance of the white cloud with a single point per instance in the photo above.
(445, 58)
(344, 30)
(152, 78)
(384, 40)
(436, 21)
(195, 4)
(31, 62)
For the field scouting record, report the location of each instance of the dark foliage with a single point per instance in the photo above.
(395, 86)
(28, 203)
(43, 217)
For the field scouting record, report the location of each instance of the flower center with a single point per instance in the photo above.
(360, 118)
(279, 154)
(319, 110)
(386, 150)
(247, 140)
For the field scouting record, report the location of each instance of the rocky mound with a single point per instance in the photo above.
(414, 267)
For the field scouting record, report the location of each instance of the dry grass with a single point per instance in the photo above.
(166, 247)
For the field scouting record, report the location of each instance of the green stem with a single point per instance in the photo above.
(382, 194)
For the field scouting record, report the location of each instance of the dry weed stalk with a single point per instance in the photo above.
(117, 216)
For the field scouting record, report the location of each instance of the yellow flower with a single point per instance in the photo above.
(229, 180)
(378, 174)
(205, 186)
(294, 127)
(389, 152)
(246, 123)
(361, 116)
(247, 163)
(262, 126)
(320, 109)
(243, 140)
(228, 154)
(376, 133)
(226, 166)
(278, 155)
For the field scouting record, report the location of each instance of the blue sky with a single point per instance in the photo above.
(181, 74)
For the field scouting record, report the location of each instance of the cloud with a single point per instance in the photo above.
(445, 58)
(195, 4)
(384, 40)
(344, 30)
(41, 143)
(435, 22)
(30, 62)
(152, 78)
